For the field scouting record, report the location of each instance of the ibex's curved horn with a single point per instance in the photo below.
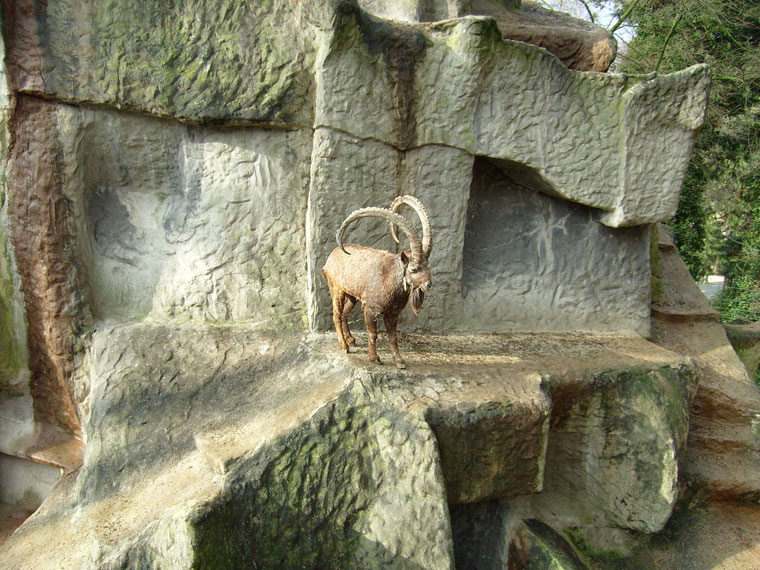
(392, 218)
(427, 231)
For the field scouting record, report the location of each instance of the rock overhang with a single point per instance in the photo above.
(594, 138)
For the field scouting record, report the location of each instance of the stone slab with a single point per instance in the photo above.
(195, 60)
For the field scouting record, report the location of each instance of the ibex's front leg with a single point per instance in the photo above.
(347, 308)
(338, 299)
(369, 319)
(390, 328)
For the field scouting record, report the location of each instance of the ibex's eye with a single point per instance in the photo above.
(414, 269)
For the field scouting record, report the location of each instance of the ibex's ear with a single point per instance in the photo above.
(404, 258)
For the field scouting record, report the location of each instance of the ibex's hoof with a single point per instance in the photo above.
(400, 365)
(376, 360)
(347, 349)
(351, 340)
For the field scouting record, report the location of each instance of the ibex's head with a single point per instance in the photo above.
(417, 275)
(417, 279)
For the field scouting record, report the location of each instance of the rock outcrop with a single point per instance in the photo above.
(745, 338)
(211, 446)
(723, 458)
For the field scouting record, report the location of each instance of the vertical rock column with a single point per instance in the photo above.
(16, 413)
(350, 173)
(54, 295)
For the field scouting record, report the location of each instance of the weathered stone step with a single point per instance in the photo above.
(11, 517)
(54, 447)
(32, 465)
(723, 454)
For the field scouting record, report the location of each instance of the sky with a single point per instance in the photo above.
(604, 16)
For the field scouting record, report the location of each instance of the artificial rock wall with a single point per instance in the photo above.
(174, 220)
(174, 175)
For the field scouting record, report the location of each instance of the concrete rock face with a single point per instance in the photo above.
(179, 223)
(172, 178)
(515, 271)
(193, 60)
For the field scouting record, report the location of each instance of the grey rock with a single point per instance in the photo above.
(452, 83)
(195, 61)
(187, 223)
(332, 64)
(531, 258)
(614, 451)
(200, 157)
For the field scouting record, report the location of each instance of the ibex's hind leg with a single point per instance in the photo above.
(390, 328)
(348, 306)
(369, 319)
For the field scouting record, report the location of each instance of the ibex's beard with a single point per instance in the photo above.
(418, 296)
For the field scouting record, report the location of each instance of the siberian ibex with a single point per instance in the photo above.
(381, 280)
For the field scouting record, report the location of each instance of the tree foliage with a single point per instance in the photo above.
(717, 227)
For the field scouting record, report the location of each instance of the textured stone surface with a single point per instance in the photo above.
(348, 174)
(723, 455)
(495, 535)
(722, 459)
(192, 60)
(405, 108)
(746, 341)
(505, 257)
(408, 85)
(719, 536)
(255, 428)
(15, 399)
(190, 163)
(490, 415)
(185, 223)
(615, 444)
(16, 404)
(330, 462)
(580, 45)
(531, 258)
(55, 295)
(678, 297)
(452, 83)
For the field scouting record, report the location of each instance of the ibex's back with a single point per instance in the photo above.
(373, 276)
